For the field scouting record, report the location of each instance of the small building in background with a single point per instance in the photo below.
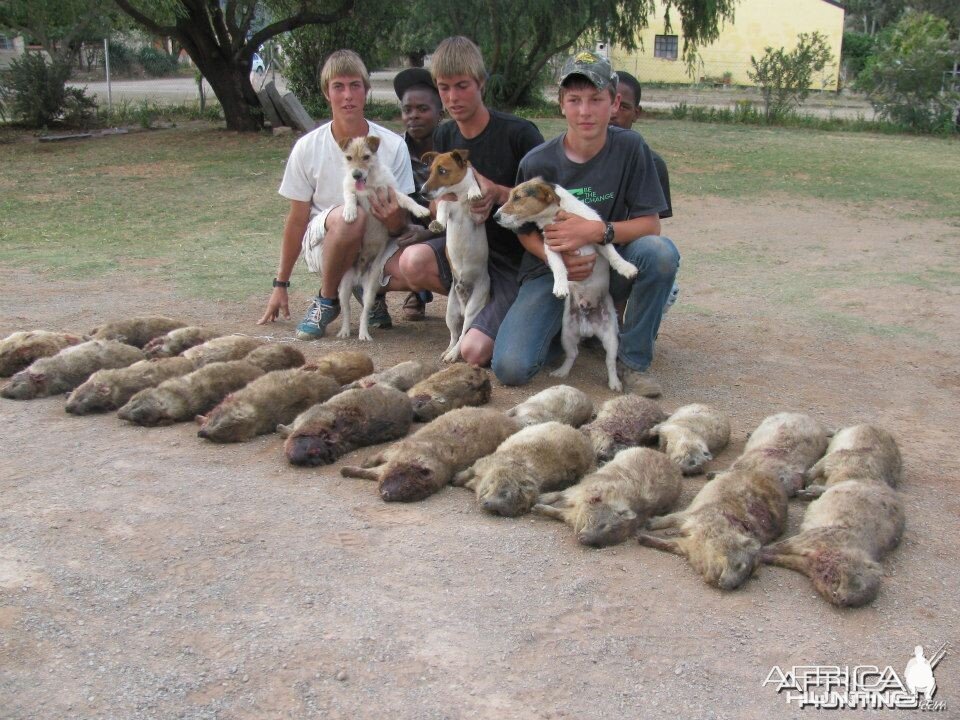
(757, 24)
(10, 49)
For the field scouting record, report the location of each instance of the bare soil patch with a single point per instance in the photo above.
(147, 573)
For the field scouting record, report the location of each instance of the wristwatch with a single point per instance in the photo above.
(281, 283)
(607, 233)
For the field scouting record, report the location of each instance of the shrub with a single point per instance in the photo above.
(122, 59)
(157, 63)
(905, 77)
(856, 48)
(36, 94)
(784, 78)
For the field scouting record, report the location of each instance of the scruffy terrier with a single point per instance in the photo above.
(466, 247)
(588, 308)
(363, 175)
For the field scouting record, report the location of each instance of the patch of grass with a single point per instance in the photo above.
(851, 324)
(198, 206)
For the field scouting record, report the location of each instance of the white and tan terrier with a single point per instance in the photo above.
(364, 175)
(466, 247)
(588, 308)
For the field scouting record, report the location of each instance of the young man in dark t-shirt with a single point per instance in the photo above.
(612, 171)
(496, 142)
(628, 87)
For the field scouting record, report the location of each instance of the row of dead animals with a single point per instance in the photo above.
(532, 457)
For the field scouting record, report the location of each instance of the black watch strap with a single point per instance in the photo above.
(608, 233)
(281, 283)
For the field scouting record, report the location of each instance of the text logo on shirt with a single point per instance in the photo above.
(590, 196)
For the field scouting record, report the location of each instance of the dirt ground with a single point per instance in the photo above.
(145, 573)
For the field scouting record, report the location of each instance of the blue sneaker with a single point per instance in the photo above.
(314, 323)
(379, 316)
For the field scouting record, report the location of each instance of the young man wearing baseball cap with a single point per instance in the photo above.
(612, 171)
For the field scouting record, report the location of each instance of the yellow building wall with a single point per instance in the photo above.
(757, 24)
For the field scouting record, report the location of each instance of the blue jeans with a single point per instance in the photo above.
(525, 341)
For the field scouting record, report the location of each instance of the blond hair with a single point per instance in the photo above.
(343, 63)
(458, 56)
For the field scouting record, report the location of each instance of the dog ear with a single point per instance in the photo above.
(343, 143)
(428, 157)
(550, 196)
(460, 157)
(373, 142)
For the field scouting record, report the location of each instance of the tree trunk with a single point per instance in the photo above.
(231, 85)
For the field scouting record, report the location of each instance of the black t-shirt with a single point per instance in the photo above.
(620, 182)
(664, 177)
(495, 153)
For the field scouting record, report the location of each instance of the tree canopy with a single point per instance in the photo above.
(58, 26)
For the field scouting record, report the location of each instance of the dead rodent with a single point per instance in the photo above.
(269, 400)
(844, 535)
(786, 444)
(692, 435)
(608, 506)
(345, 366)
(19, 350)
(354, 418)
(560, 403)
(402, 376)
(222, 349)
(862, 452)
(67, 369)
(110, 389)
(176, 341)
(722, 531)
(275, 356)
(623, 422)
(540, 458)
(420, 464)
(136, 331)
(183, 398)
(451, 388)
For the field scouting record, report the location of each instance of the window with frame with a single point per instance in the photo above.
(665, 46)
(6, 43)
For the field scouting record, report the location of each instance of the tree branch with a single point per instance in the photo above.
(147, 22)
(304, 17)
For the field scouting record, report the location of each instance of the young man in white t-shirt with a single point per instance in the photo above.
(313, 182)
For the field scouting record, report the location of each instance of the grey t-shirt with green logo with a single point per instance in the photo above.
(620, 182)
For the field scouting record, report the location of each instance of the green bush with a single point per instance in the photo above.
(784, 78)
(157, 63)
(36, 95)
(904, 79)
(856, 48)
(122, 59)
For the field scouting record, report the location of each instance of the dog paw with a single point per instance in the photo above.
(561, 290)
(421, 211)
(474, 193)
(365, 337)
(451, 355)
(560, 373)
(344, 332)
(615, 384)
(349, 215)
(436, 227)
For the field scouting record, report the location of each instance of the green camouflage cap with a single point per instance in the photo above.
(593, 67)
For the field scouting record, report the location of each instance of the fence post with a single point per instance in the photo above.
(106, 60)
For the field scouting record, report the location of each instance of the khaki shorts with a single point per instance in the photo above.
(311, 247)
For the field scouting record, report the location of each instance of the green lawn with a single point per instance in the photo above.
(198, 206)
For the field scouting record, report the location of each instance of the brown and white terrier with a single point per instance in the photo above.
(467, 249)
(363, 175)
(588, 308)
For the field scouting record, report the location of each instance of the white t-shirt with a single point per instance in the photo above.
(314, 170)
